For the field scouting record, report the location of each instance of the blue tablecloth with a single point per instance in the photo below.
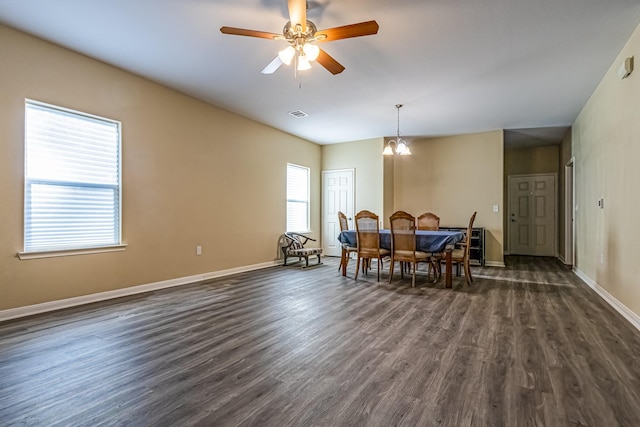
(426, 241)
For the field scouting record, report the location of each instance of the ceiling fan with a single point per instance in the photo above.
(301, 36)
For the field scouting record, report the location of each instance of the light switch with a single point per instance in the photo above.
(496, 208)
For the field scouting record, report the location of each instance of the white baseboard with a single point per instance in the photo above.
(632, 317)
(494, 264)
(563, 260)
(14, 313)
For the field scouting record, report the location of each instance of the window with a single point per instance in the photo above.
(297, 198)
(72, 180)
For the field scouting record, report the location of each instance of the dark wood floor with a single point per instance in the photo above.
(526, 345)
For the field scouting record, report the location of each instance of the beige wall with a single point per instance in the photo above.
(607, 155)
(453, 177)
(366, 158)
(182, 185)
(527, 161)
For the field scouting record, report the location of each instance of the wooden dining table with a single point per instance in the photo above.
(426, 241)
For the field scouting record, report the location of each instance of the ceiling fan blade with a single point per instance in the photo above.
(249, 33)
(327, 61)
(354, 30)
(273, 66)
(298, 13)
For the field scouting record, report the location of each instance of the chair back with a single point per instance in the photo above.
(344, 224)
(403, 236)
(467, 236)
(294, 240)
(428, 221)
(367, 234)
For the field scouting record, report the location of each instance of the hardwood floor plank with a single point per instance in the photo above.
(525, 345)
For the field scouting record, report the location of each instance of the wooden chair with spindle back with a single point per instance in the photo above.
(347, 250)
(368, 240)
(428, 221)
(403, 244)
(431, 221)
(461, 255)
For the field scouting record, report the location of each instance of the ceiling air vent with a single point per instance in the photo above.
(298, 113)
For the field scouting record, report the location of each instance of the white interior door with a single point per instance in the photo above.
(337, 196)
(532, 215)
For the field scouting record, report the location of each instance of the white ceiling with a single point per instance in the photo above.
(458, 66)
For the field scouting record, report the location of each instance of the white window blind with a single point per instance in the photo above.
(297, 198)
(72, 180)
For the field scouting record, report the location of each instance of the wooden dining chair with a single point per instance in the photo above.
(460, 255)
(431, 221)
(403, 244)
(428, 221)
(347, 250)
(368, 241)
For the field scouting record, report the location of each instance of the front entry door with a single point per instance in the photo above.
(532, 215)
(337, 195)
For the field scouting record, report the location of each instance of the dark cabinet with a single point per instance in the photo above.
(476, 251)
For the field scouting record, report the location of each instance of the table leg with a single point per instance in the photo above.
(449, 266)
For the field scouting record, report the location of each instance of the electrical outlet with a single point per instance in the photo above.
(198, 250)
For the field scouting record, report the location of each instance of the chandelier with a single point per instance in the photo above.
(397, 146)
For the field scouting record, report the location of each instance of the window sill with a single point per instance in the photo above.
(71, 252)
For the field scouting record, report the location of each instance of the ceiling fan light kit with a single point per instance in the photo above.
(301, 35)
(300, 45)
(303, 63)
(286, 55)
(311, 51)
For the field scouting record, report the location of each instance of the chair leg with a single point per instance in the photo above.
(379, 264)
(467, 272)
(391, 270)
(413, 275)
(344, 262)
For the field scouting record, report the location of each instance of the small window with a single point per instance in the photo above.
(297, 198)
(72, 180)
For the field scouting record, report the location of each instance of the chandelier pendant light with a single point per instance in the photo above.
(397, 146)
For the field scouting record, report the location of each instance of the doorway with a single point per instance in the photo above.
(337, 196)
(532, 214)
